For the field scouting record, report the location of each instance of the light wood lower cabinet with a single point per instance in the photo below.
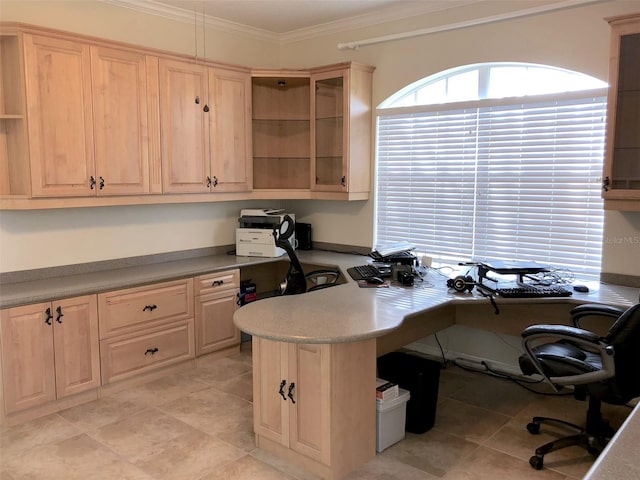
(145, 328)
(216, 301)
(49, 351)
(315, 404)
(126, 356)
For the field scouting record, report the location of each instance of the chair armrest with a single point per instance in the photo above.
(579, 337)
(594, 309)
(561, 331)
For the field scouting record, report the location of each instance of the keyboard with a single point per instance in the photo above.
(367, 271)
(533, 291)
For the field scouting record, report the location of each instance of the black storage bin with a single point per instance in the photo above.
(420, 376)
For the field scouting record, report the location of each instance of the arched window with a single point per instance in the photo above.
(495, 161)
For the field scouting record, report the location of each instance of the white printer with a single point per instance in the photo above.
(254, 237)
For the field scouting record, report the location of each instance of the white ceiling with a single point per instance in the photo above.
(282, 17)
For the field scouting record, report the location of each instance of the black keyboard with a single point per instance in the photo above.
(533, 291)
(367, 271)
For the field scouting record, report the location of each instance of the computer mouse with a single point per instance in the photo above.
(581, 288)
(375, 280)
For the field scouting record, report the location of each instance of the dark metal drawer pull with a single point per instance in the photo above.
(151, 308)
(152, 351)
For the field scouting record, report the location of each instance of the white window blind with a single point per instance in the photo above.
(499, 180)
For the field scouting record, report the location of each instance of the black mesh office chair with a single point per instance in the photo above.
(603, 368)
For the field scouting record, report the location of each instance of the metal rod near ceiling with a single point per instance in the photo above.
(355, 45)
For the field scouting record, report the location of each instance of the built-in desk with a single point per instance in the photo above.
(350, 325)
(353, 318)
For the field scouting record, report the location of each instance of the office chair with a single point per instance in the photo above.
(603, 368)
(296, 280)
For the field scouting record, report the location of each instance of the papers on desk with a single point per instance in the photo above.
(365, 284)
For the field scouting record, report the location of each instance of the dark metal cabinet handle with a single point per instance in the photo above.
(49, 316)
(92, 182)
(217, 283)
(151, 308)
(152, 351)
(215, 181)
(60, 314)
(290, 392)
(101, 183)
(206, 108)
(605, 184)
(343, 181)
(281, 391)
(208, 182)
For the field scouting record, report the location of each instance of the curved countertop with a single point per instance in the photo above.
(348, 313)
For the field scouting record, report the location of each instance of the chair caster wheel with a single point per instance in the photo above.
(536, 462)
(534, 429)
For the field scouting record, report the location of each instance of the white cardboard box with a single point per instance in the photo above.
(391, 416)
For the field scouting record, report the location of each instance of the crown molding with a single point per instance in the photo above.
(387, 14)
(187, 16)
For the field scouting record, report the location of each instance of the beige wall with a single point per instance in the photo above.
(576, 39)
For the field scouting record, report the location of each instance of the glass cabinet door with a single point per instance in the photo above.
(329, 172)
(621, 179)
(626, 145)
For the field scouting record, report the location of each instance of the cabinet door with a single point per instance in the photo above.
(309, 370)
(270, 407)
(60, 129)
(230, 111)
(215, 329)
(184, 127)
(28, 369)
(76, 345)
(622, 160)
(329, 138)
(119, 81)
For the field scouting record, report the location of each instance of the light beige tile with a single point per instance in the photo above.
(218, 414)
(385, 468)
(240, 386)
(219, 369)
(487, 464)
(495, 394)
(161, 391)
(514, 440)
(100, 412)
(472, 423)
(283, 466)
(77, 458)
(248, 468)
(434, 452)
(49, 429)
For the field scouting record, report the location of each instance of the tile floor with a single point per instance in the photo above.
(197, 426)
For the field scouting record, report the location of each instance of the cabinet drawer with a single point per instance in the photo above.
(123, 357)
(134, 309)
(205, 284)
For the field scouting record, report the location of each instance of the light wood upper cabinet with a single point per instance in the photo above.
(49, 351)
(204, 115)
(230, 95)
(120, 117)
(88, 118)
(341, 128)
(60, 122)
(621, 184)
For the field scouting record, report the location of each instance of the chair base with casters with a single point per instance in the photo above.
(593, 437)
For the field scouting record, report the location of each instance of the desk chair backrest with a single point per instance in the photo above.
(624, 337)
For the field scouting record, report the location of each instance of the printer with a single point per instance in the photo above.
(254, 236)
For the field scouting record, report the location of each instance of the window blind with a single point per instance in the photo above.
(505, 181)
